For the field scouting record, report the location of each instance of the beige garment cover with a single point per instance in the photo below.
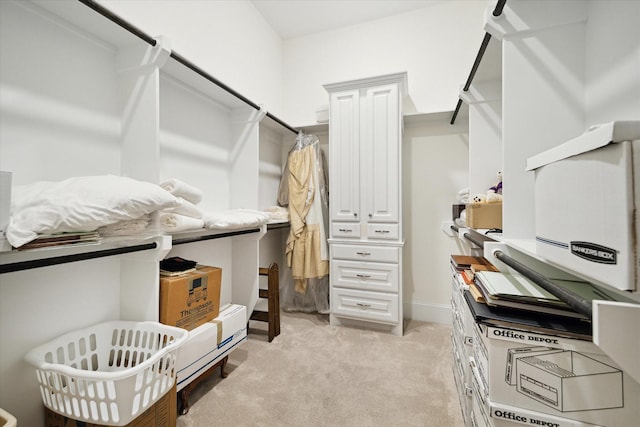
(303, 244)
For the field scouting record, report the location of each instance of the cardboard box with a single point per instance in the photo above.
(586, 200)
(210, 342)
(192, 299)
(543, 377)
(163, 413)
(484, 215)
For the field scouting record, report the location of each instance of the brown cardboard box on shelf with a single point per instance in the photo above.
(163, 413)
(191, 299)
(484, 215)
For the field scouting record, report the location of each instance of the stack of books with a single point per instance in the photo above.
(505, 299)
(468, 266)
(176, 266)
(59, 239)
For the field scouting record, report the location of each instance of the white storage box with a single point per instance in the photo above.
(210, 342)
(586, 196)
(108, 373)
(543, 377)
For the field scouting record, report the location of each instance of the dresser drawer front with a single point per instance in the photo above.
(366, 253)
(370, 276)
(383, 231)
(348, 230)
(365, 305)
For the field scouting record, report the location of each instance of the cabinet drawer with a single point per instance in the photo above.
(365, 305)
(366, 253)
(365, 275)
(383, 231)
(345, 229)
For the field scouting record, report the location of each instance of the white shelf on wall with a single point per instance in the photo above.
(17, 260)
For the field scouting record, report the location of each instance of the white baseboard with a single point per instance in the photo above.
(426, 312)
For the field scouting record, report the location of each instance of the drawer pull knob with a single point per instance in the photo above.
(344, 230)
(363, 253)
(363, 305)
(382, 231)
(364, 276)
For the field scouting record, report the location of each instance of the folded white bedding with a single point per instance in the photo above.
(175, 223)
(186, 208)
(234, 218)
(277, 213)
(182, 189)
(81, 204)
(126, 227)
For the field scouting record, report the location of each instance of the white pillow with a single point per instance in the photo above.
(81, 204)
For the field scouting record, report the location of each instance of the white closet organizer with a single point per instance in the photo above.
(82, 93)
(547, 75)
(365, 135)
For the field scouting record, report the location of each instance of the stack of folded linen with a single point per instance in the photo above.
(187, 216)
(234, 218)
(277, 214)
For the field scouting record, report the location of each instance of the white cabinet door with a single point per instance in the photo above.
(344, 162)
(380, 151)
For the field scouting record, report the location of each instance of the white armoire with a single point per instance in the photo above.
(365, 192)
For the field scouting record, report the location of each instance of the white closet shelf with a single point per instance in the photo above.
(155, 246)
(16, 260)
(88, 18)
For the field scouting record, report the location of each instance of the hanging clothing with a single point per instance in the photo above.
(304, 190)
(307, 251)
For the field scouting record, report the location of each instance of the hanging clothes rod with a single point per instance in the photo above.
(150, 40)
(213, 236)
(472, 239)
(573, 300)
(497, 11)
(46, 262)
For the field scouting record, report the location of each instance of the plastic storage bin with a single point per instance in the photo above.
(108, 373)
(6, 419)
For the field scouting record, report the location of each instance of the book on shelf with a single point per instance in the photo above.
(473, 263)
(60, 239)
(165, 273)
(543, 323)
(176, 266)
(517, 292)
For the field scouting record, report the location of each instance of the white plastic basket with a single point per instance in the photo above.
(108, 373)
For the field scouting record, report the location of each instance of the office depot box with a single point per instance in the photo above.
(567, 380)
(210, 342)
(484, 215)
(189, 300)
(163, 413)
(587, 192)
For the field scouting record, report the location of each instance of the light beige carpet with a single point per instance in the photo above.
(314, 374)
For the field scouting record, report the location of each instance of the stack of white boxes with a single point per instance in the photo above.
(462, 344)
(210, 342)
(520, 377)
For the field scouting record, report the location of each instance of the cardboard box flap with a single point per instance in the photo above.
(595, 137)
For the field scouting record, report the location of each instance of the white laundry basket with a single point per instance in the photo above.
(6, 419)
(108, 373)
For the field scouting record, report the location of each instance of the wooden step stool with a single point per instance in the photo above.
(272, 295)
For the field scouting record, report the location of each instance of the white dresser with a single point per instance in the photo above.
(365, 169)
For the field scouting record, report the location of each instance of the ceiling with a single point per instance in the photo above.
(295, 18)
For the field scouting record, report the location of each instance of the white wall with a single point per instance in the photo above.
(613, 86)
(228, 39)
(435, 167)
(436, 45)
